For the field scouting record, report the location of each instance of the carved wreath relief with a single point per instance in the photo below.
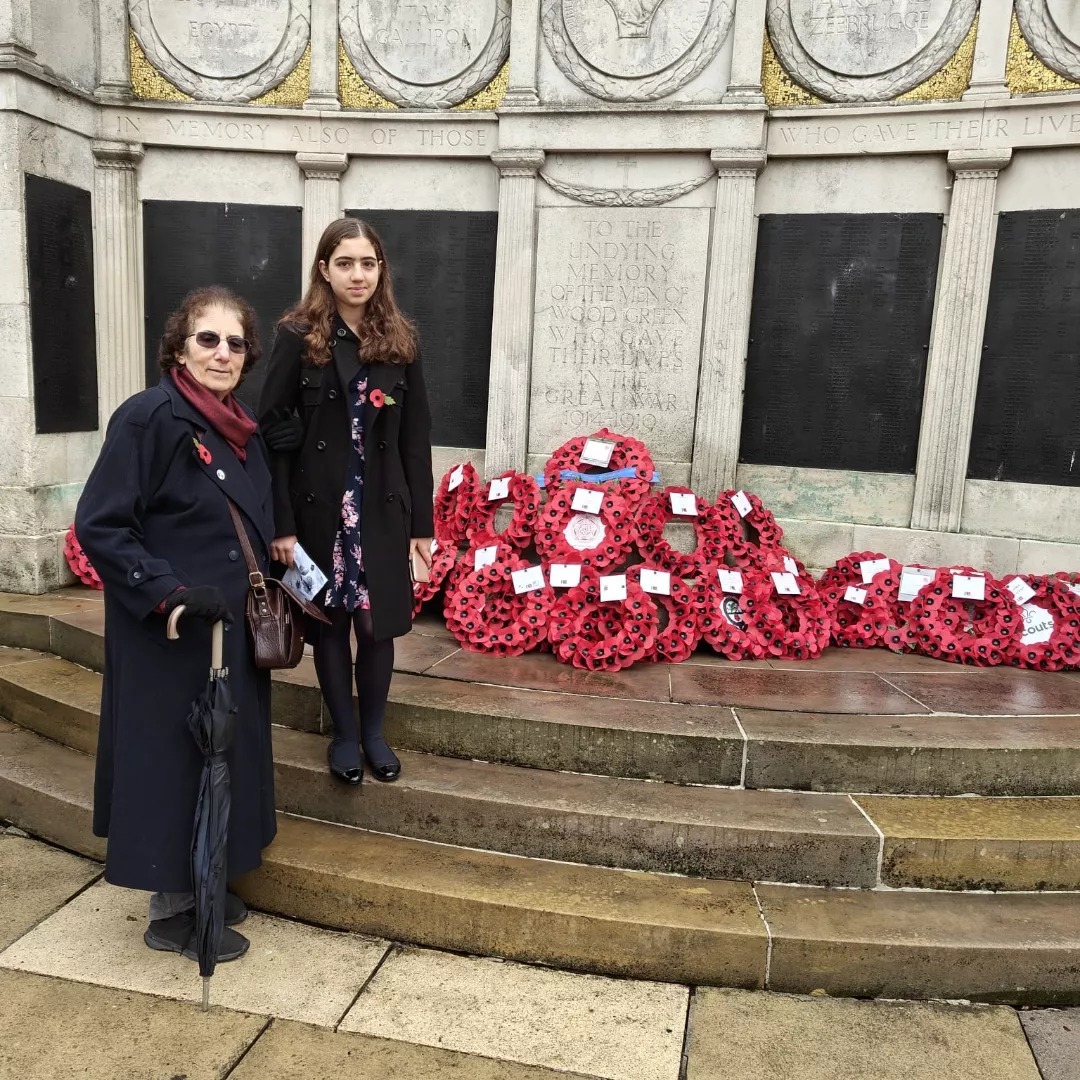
(634, 50)
(426, 55)
(222, 50)
(1052, 29)
(867, 50)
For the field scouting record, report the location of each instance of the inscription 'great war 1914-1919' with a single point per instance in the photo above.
(617, 333)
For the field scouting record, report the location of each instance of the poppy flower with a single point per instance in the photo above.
(376, 398)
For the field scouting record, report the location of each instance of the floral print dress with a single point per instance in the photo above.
(348, 582)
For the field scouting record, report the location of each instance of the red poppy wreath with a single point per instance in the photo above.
(663, 507)
(628, 455)
(792, 627)
(486, 614)
(859, 594)
(602, 635)
(523, 493)
(965, 631)
(455, 502)
(679, 625)
(721, 616)
(78, 561)
(1049, 638)
(748, 527)
(600, 539)
(443, 560)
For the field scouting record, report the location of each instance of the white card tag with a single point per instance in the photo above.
(683, 504)
(587, 501)
(786, 584)
(1021, 591)
(969, 587)
(1038, 625)
(657, 582)
(1075, 589)
(790, 565)
(872, 567)
(485, 556)
(565, 575)
(434, 546)
(741, 503)
(532, 577)
(730, 581)
(597, 452)
(913, 579)
(855, 596)
(499, 489)
(456, 477)
(613, 587)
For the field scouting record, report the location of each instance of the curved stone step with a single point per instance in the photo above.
(1008, 947)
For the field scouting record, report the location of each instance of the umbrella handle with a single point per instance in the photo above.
(217, 635)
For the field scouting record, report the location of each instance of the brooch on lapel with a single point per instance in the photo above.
(204, 454)
(378, 399)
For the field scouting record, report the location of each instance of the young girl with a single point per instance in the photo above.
(356, 492)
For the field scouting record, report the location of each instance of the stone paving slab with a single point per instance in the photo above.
(35, 880)
(995, 691)
(290, 1051)
(56, 1030)
(757, 1036)
(292, 970)
(55, 698)
(24, 620)
(1054, 1036)
(618, 1029)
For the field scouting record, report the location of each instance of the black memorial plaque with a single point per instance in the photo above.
(839, 334)
(443, 263)
(1027, 424)
(60, 265)
(253, 250)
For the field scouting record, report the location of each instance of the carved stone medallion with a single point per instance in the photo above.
(870, 51)
(1052, 29)
(634, 50)
(426, 55)
(222, 50)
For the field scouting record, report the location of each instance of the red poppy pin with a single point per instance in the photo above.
(378, 399)
(204, 454)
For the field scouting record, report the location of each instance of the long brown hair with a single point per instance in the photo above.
(178, 326)
(385, 332)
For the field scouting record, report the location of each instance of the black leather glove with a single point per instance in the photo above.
(206, 602)
(283, 432)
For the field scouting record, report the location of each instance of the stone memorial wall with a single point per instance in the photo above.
(608, 180)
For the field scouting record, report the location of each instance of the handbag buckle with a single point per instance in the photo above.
(256, 580)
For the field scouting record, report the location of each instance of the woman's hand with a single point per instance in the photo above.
(281, 550)
(422, 545)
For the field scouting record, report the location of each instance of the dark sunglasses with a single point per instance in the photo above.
(209, 340)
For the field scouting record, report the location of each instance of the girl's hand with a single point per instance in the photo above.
(281, 550)
(422, 545)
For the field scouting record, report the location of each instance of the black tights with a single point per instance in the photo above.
(372, 671)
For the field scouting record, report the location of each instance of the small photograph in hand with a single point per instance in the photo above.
(421, 572)
(305, 578)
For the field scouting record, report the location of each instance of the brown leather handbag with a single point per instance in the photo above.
(274, 615)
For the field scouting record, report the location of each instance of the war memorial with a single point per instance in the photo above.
(815, 258)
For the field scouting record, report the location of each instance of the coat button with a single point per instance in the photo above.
(382, 444)
(341, 333)
(304, 381)
(332, 395)
(310, 496)
(234, 554)
(390, 497)
(320, 445)
(137, 575)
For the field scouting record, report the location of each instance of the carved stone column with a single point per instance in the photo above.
(511, 328)
(323, 92)
(524, 52)
(322, 199)
(744, 85)
(16, 33)
(727, 322)
(114, 67)
(118, 275)
(952, 371)
(991, 52)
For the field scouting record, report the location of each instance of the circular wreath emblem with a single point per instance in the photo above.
(78, 561)
(1049, 638)
(486, 614)
(629, 456)
(977, 632)
(602, 635)
(524, 494)
(855, 623)
(722, 619)
(678, 628)
(747, 537)
(709, 533)
(566, 535)
(454, 507)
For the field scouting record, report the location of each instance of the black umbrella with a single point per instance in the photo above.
(212, 721)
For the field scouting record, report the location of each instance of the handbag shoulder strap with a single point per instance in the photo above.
(254, 573)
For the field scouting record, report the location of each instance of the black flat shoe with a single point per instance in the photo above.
(175, 935)
(347, 774)
(386, 773)
(235, 910)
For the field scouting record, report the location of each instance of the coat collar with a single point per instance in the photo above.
(381, 376)
(245, 483)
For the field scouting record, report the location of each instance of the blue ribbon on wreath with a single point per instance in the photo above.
(597, 478)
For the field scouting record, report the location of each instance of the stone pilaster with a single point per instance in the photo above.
(952, 371)
(991, 52)
(114, 68)
(323, 92)
(744, 84)
(524, 53)
(727, 322)
(16, 33)
(118, 275)
(511, 328)
(322, 199)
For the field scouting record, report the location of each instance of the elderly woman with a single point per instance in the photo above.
(154, 520)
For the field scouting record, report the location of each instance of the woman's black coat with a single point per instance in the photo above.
(309, 484)
(153, 517)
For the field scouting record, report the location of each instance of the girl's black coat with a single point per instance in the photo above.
(153, 517)
(309, 484)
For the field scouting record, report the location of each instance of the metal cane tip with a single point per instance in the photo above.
(206, 993)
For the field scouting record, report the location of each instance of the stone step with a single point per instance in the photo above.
(1020, 948)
